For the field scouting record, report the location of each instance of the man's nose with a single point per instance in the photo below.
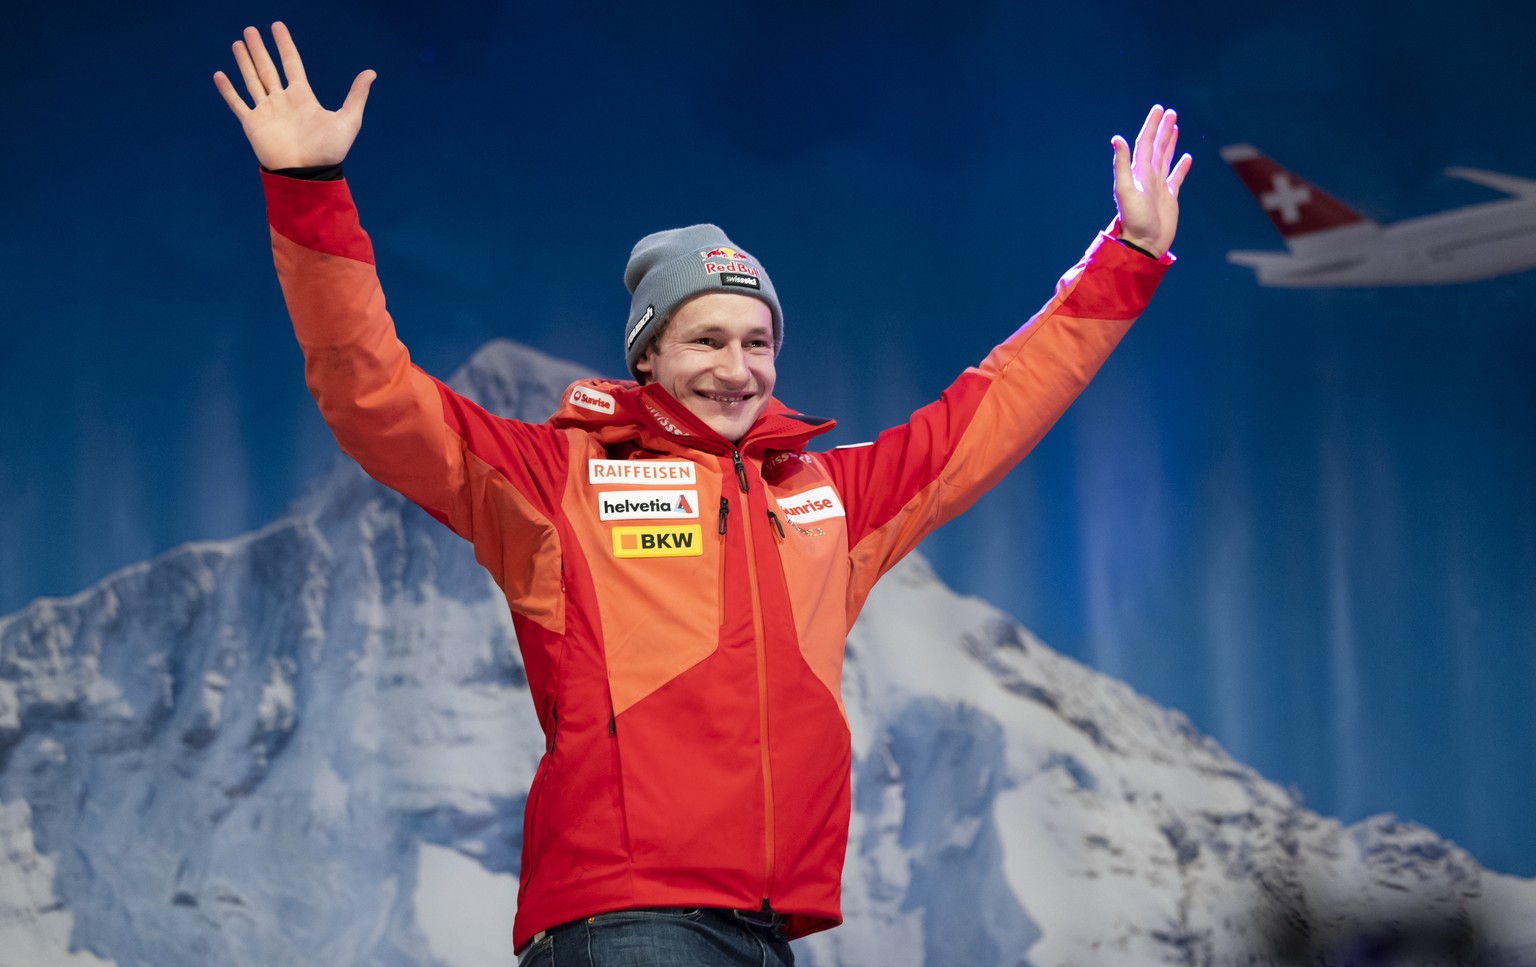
(731, 364)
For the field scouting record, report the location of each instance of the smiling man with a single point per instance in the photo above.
(716, 358)
(681, 563)
(705, 325)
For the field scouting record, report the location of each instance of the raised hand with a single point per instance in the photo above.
(286, 126)
(1146, 190)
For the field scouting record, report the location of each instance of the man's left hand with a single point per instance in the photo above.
(1146, 190)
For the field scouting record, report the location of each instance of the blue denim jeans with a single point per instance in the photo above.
(663, 937)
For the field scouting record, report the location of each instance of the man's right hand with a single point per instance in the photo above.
(287, 127)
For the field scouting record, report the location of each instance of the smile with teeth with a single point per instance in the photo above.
(727, 399)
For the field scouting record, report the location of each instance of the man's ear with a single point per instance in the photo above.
(644, 365)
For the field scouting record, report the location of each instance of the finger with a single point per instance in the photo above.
(265, 68)
(1126, 183)
(253, 84)
(1167, 137)
(1122, 160)
(1148, 132)
(293, 67)
(357, 96)
(231, 97)
(1179, 171)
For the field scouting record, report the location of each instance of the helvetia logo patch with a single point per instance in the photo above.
(647, 504)
(659, 540)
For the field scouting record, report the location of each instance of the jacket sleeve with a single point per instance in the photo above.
(496, 482)
(926, 471)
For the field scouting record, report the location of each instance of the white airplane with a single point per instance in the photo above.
(1333, 245)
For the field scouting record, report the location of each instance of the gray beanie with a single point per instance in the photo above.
(668, 268)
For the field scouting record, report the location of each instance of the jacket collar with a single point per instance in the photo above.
(622, 411)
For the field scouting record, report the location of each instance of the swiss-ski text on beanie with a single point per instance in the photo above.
(668, 268)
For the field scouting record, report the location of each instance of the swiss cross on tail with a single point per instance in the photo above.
(1294, 204)
(1329, 244)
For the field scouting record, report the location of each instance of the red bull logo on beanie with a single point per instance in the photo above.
(725, 259)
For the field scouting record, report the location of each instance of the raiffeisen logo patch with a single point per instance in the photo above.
(812, 505)
(647, 504)
(593, 399)
(642, 473)
(659, 540)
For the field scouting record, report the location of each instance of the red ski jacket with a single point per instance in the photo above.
(680, 602)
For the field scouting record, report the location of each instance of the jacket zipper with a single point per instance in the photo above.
(725, 508)
(741, 470)
(762, 683)
(774, 519)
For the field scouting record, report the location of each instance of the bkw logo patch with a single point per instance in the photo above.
(685, 540)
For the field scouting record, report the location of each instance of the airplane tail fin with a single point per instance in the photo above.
(1300, 210)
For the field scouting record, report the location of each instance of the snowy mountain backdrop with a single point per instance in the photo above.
(311, 746)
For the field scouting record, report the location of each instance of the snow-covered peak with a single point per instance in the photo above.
(312, 744)
(513, 380)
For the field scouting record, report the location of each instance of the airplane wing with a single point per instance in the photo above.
(1272, 263)
(1509, 184)
(1261, 260)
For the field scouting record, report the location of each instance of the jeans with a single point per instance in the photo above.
(663, 937)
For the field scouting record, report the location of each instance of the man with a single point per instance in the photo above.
(681, 568)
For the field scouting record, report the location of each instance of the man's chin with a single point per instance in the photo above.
(732, 430)
(731, 422)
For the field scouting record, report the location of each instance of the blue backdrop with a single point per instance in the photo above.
(1307, 518)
